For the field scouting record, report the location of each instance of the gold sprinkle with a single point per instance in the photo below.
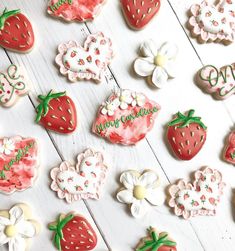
(71, 122)
(138, 11)
(17, 17)
(189, 151)
(23, 35)
(192, 134)
(60, 108)
(63, 118)
(49, 124)
(51, 107)
(54, 117)
(187, 142)
(68, 101)
(70, 129)
(202, 138)
(17, 26)
(69, 111)
(128, 8)
(6, 31)
(182, 134)
(25, 24)
(179, 151)
(61, 128)
(5, 41)
(29, 34)
(196, 143)
(149, 10)
(181, 144)
(22, 46)
(143, 16)
(173, 138)
(142, 3)
(7, 23)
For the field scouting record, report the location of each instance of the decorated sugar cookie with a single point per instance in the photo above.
(213, 23)
(87, 62)
(140, 190)
(16, 32)
(126, 117)
(156, 241)
(75, 10)
(13, 84)
(201, 197)
(17, 228)
(186, 135)
(138, 13)
(73, 232)
(229, 151)
(57, 112)
(19, 160)
(219, 82)
(83, 181)
(156, 64)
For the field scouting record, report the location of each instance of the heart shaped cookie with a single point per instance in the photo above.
(126, 117)
(18, 163)
(210, 23)
(229, 151)
(88, 62)
(200, 197)
(219, 82)
(75, 10)
(83, 181)
(139, 13)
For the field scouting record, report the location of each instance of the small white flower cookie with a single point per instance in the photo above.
(140, 190)
(17, 228)
(157, 64)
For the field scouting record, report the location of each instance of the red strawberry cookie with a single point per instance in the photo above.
(138, 13)
(16, 32)
(57, 112)
(126, 117)
(229, 151)
(156, 241)
(186, 135)
(75, 10)
(73, 232)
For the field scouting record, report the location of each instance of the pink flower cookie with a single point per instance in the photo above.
(229, 151)
(88, 62)
(213, 23)
(199, 198)
(83, 181)
(219, 82)
(75, 10)
(19, 162)
(126, 117)
(13, 84)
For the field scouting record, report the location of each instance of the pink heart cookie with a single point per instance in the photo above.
(200, 197)
(82, 181)
(88, 62)
(18, 163)
(126, 117)
(220, 82)
(213, 23)
(77, 10)
(229, 151)
(13, 84)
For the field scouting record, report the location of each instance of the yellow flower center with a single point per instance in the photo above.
(122, 98)
(109, 107)
(10, 231)
(160, 60)
(139, 192)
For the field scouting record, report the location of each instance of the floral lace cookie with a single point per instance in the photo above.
(75, 10)
(13, 84)
(200, 197)
(73, 232)
(156, 241)
(140, 190)
(17, 228)
(83, 181)
(88, 62)
(16, 31)
(213, 23)
(219, 82)
(19, 161)
(229, 151)
(156, 64)
(126, 117)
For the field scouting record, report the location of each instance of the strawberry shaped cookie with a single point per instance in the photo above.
(126, 117)
(16, 32)
(13, 84)
(83, 181)
(18, 163)
(88, 62)
(186, 135)
(139, 13)
(75, 10)
(73, 232)
(229, 151)
(57, 112)
(200, 197)
(156, 242)
(219, 82)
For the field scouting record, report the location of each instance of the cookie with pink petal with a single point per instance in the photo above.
(201, 197)
(229, 151)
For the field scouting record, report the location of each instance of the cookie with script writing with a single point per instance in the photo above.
(19, 161)
(126, 117)
(229, 151)
(75, 10)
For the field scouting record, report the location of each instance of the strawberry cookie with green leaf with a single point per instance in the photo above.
(156, 242)
(57, 112)
(229, 152)
(16, 32)
(186, 135)
(73, 232)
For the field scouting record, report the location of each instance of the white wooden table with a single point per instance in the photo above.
(116, 229)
